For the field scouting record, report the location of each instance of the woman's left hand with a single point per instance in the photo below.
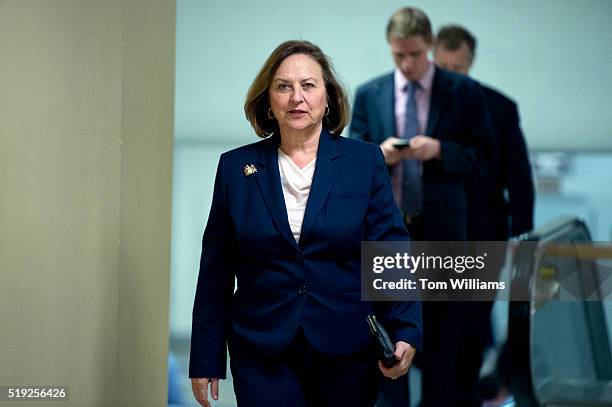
(404, 353)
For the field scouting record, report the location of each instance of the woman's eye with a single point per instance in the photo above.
(283, 86)
(309, 85)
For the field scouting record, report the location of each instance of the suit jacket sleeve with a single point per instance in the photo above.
(402, 319)
(473, 153)
(517, 173)
(214, 289)
(359, 122)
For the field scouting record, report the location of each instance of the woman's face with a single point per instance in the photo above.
(297, 94)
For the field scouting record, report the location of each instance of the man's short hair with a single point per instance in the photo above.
(409, 22)
(452, 36)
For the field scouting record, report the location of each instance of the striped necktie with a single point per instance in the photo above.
(412, 183)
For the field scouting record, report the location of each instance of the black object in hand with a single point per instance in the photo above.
(401, 144)
(384, 343)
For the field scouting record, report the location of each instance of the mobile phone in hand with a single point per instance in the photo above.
(401, 144)
(385, 346)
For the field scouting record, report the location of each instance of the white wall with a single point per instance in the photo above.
(86, 95)
(552, 56)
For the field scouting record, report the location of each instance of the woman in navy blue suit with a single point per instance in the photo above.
(287, 218)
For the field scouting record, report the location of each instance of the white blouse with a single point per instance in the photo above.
(296, 184)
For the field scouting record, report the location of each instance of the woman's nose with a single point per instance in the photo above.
(296, 95)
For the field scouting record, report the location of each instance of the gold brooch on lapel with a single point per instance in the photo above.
(249, 169)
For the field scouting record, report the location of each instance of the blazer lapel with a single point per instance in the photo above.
(326, 172)
(439, 96)
(269, 184)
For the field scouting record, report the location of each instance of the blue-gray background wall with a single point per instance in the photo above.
(552, 56)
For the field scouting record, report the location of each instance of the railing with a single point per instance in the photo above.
(559, 340)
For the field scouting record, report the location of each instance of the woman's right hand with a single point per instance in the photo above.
(404, 353)
(200, 389)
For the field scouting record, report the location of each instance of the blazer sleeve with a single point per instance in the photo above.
(214, 289)
(517, 173)
(476, 150)
(403, 319)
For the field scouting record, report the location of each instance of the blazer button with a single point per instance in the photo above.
(299, 259)
(302, 290)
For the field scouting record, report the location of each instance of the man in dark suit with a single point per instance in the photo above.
(501, 200)
(496, 217)
(442, 118)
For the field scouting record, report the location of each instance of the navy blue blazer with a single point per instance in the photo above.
(282, 284)
(492, 214)
(459, 118)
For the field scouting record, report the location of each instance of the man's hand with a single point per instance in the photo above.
(404, 353)
(200, 390)
(423, 148)
(392, 155)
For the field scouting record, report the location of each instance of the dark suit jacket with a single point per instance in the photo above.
(493, 216)
(458, 117)
(282, 284)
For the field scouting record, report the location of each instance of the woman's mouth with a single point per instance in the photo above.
(297, 113)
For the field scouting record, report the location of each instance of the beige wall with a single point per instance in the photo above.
(86, 102)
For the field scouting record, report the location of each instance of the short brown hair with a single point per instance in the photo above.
(452, 36)
(409, 22)
(257, 101)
